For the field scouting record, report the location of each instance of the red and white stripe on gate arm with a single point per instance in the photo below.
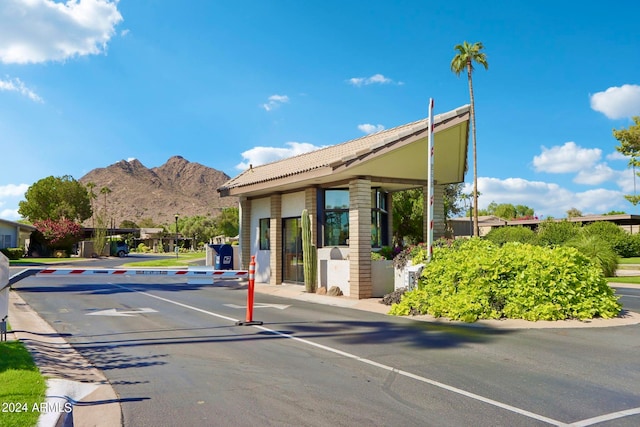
(155, 272)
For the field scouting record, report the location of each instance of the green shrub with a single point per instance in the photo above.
(13, 253)
(480, 280)
(386, 252)
(598, 250)
(551, 233)
(626, 245)
(623, 243)
(502, 235)
(143, 248)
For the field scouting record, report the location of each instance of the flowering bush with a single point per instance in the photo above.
(59, 234)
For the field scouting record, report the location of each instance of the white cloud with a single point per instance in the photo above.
(13, 190)
(617, 102)
(547, 199)
(595, 175)
(261, 155)
(35, 31)
(275, 101)
(626, 181)
(616, 155)
(10, 214)
(16, 85)
(567, 158)
(10, 195)
(375, 79)
(369, 128)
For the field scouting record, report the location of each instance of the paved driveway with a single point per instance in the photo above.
(174, 355)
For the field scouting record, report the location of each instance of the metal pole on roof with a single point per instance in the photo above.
(430, 183)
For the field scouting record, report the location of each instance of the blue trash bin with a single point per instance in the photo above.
(224, 257)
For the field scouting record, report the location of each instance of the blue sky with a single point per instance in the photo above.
(85, 84)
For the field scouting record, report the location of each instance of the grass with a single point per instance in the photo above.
(632, 260)
(184, 259)
(21, 386)
(43, 261)
(624, 279)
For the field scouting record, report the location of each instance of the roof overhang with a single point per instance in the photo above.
(396, 162)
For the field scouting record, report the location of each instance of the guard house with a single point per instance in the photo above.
(347, 190)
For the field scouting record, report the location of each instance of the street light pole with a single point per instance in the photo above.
(176, 247)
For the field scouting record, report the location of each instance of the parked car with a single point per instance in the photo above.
(120, 249)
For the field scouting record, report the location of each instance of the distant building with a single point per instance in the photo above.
(460, 226)
(14, 234)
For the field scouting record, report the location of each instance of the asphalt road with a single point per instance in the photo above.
(629, 296)
(176, 357)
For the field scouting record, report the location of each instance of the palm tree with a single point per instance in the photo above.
(92, 196)
(464, 59)
(105, 191)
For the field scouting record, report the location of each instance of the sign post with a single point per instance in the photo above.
(430, 183)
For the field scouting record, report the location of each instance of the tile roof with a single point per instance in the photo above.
(335, 155)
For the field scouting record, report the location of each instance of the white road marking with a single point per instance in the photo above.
(425, 380)
(606, 417)
(628, 296)
(115, 313)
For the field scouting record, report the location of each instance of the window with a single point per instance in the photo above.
(336, 217)
(379, 218)
(265, 230)
(5, 241)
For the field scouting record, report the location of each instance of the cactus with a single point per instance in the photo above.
(309, 254)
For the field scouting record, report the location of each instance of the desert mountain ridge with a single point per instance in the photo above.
(177, 187)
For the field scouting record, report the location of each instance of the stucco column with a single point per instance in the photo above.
(245, 233)
(275, 240)
(360, 238)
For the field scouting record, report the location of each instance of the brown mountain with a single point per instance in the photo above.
(177, 187)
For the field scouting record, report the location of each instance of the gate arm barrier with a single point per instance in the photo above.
(215, 274)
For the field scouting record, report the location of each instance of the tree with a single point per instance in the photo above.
(453, 204)
(92, 197)
(464, 59)
(106, 191)
(147, 222)
(508, 211)
(198, 228)
(573, 213)
(228, 222)
(407, 216)
(630, 146)
(127, 223)
(56, 198)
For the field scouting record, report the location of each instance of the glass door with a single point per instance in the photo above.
(293, 270)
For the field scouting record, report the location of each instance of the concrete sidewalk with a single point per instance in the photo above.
(95, 403)
(70, 377)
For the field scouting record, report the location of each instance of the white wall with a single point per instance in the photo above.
(260, 208)
(292, 204)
